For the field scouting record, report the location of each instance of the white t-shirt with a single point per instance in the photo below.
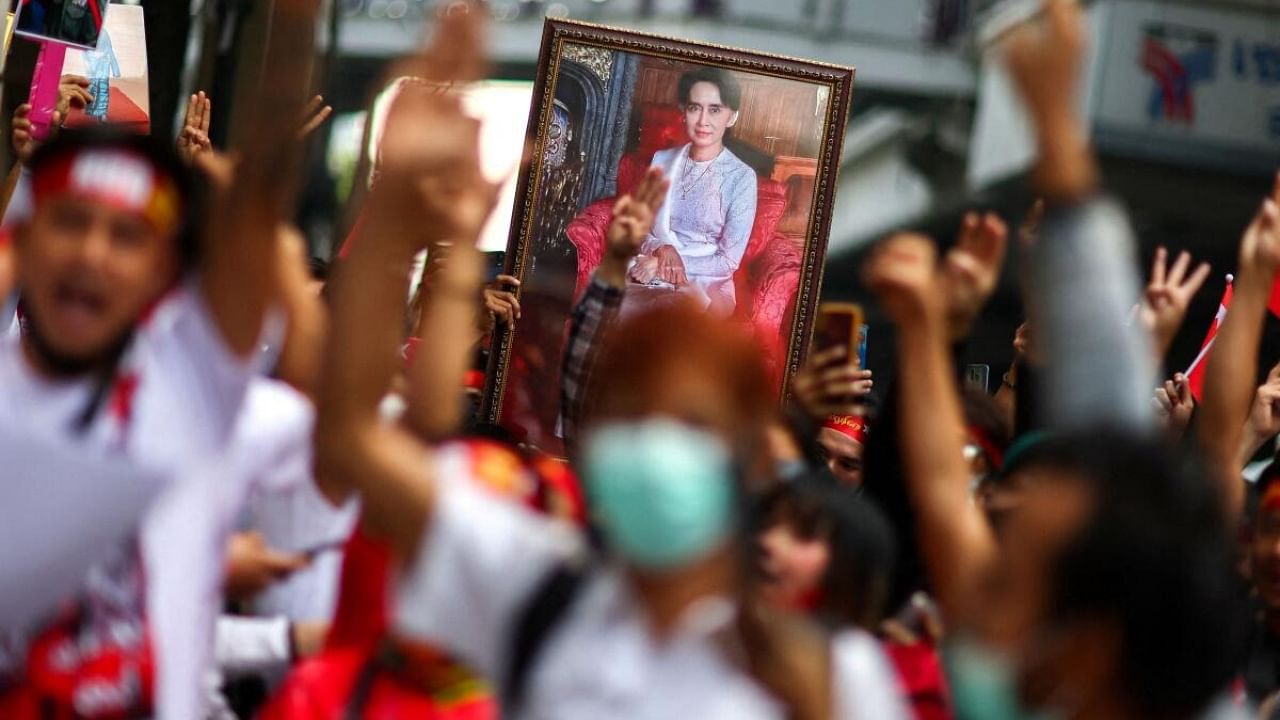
(272, 448)
(482, 558)
(172, 407)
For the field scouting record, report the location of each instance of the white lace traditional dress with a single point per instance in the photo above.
(707, 217)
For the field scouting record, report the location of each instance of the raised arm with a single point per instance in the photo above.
(1264, 418)
(1233, 364)
(238, 277)
(431, 188)
(956, 542)
(633, 217)
(1083, 280)
(305, 313)
(1168, 295)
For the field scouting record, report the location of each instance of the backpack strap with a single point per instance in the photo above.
(537, 619)
(362, 688)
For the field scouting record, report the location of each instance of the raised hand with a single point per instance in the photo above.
(1260, 246)
(502, 302)
(194, 141)
(633, 216)
(1169, 293)
(73, 92)
(971, 269)
(1228, 384)
(823, 388)
(1264, 418)
(903, 274)
(1046, 60)
(1174, 405)
(23, 138)
(313, 116)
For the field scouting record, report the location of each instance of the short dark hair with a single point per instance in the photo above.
(730, 88)
(862, 550)
(1270, 476)
(1156, 557)
(160, 155)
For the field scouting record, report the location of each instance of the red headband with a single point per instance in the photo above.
(850, 426)
(121, 179)
(994, 455)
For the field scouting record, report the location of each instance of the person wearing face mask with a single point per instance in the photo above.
(661, 625)
(703, 227)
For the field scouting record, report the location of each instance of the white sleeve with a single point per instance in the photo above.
(866, 686)
(192, 384)
(244, 645)
(479, 561)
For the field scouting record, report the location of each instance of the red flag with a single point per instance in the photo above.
(1274, 303)
(1195, 373)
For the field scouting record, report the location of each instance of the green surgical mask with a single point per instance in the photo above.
(664, 492)
(983, 685)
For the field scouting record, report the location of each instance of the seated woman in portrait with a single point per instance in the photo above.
(703, 228)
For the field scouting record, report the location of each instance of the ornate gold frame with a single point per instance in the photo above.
(555, 34)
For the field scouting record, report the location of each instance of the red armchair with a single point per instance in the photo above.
(767, 279)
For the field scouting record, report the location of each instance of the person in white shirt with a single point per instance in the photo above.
(667, 626)
(138, 340)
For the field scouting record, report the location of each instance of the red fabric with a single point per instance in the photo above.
(121, 111)
(852, 427)
(1195, 373)
(119, 676)
(1273, 304)
(919, 668)
(361, 616)
(767, 279)
(345, 249)
(320, 688)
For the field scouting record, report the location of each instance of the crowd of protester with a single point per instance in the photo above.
(241, 490)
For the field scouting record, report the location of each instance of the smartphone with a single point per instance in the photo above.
(978, 377)
(862, 345)
(838, 325)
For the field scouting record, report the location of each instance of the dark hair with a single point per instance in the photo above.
(318, 268)
(1155, 557)
(1270, 475)
(862, 550)
(730, 88)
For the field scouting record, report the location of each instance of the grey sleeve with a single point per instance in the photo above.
(1083, 285)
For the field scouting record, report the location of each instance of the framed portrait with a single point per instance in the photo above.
(751, 145)
(71, 22)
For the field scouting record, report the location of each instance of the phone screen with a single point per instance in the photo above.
(838, 325)
(978, 377)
